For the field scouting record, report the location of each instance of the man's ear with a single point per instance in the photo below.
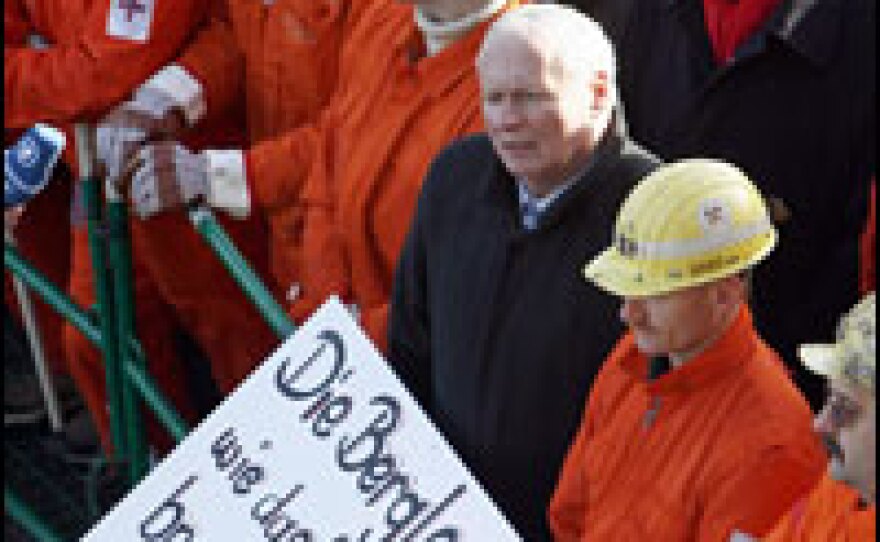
(731, 291)
(599, 90)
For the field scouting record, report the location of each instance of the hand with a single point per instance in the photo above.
(165, 176)
(11, 216)
(151, 115)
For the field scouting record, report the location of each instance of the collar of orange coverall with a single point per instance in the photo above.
(446, 68)
(730, 351)
(438, 35)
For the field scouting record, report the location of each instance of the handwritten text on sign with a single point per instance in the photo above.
(321, 443)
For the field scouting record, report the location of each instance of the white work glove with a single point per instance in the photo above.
(166, 176)
(151, 115)
(161, 108)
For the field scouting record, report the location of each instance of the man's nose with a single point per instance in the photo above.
(824, 423)
(510, 114)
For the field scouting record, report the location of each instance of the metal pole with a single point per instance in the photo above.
(73, 313)
(123, 296)
(35, 340)
(24, 516)
(216, 238)
(103, 289)
(144, 384)
(51, 294)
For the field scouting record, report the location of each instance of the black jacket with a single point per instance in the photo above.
(796, 110)
(494, 328)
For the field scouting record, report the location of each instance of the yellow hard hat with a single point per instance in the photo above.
(853, 358)
(687, 223)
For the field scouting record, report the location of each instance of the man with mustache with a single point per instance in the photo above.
(693, 429)
(842, 507)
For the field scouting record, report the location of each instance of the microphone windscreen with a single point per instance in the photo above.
(28, 164)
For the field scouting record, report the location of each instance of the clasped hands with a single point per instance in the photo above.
(137, 153)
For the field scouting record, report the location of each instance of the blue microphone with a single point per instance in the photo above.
(28, 164)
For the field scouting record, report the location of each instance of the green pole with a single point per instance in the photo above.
(73, 313)
(215, 236)
(144, 384)
(51, 294)
(123, 295)
(27, 518)
(103, 289)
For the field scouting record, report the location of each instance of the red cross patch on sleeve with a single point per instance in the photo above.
(130, 19)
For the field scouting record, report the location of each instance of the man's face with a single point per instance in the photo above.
(536, 113)
(679, 324)
(848, 425)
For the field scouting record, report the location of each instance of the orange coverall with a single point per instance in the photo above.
(830, 513)
(722, 443)
(81, 76)
(43, 232)
(358, 170)
(282, 59)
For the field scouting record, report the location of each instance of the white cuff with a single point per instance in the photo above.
(227, 182)
(182, 88)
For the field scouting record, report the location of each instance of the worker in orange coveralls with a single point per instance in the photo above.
(407, 87)
(693, 431)
(842, 507)
(278, 63)
(42, 233)
(95, 54)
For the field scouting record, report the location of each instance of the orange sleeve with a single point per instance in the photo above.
(69, 81)
(277, 168)
(374, 318)
(215, 60)
(758, 492)
(568, 507)
(325, 268)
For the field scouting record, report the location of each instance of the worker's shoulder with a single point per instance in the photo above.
(771, 409)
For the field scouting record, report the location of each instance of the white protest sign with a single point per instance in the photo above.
(320, 443)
